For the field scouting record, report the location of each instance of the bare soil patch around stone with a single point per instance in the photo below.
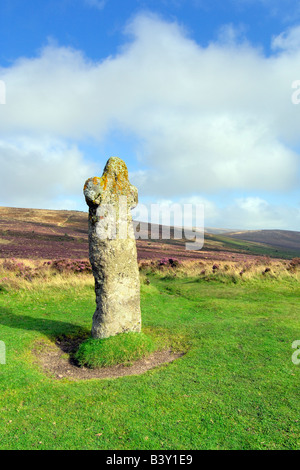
(55, 361)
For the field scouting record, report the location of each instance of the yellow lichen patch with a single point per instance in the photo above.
(115, 176)
(103, 181)
(96, 180)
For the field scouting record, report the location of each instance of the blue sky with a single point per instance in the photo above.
(194, 95)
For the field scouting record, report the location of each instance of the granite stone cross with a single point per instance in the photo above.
(112, 251)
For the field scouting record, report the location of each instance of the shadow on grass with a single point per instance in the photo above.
(51, 328)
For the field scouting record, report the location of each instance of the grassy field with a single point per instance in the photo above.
(235, 387)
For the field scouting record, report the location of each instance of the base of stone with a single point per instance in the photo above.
(105, 331)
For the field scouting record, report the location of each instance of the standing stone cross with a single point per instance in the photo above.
(112, 251)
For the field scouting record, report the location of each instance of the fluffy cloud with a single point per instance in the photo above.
(41, 174)
(240, 214)
(258, 213)
(287, 40)
(206, 118)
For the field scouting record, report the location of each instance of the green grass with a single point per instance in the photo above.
(235, 388)
(121, 349)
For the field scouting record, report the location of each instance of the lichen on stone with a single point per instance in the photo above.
(113, 183)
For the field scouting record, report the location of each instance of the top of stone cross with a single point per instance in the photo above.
(113, 184)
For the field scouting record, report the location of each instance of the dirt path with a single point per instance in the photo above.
(55, 362)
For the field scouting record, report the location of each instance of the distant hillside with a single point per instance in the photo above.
(59, 218)
(278, 238)
(218, 231)
(282, 241)
(48, 234)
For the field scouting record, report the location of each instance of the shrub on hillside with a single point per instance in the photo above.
(20, 269)
(70, 266)
(168, 263)
(294, 265)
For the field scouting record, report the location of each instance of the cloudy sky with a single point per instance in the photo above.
(198, 97)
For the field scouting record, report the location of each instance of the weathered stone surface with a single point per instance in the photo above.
(112, 251)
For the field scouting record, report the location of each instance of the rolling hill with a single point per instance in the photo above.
(50, 234)
(280, 239)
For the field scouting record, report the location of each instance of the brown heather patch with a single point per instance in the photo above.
(16, 273)
(49, 234)
(244, 269)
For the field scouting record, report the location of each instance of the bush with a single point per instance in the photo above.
(267, 270)
(19, 269)
(70, 266)
(168, 262)
(294, 265)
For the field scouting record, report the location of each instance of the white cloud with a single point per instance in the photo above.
(219, 152)
(256, 213)
(253, 213)
(41, 173)
(98, 4)
(245, 213)
(207, 118)
(288, 40)
(230, 34)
